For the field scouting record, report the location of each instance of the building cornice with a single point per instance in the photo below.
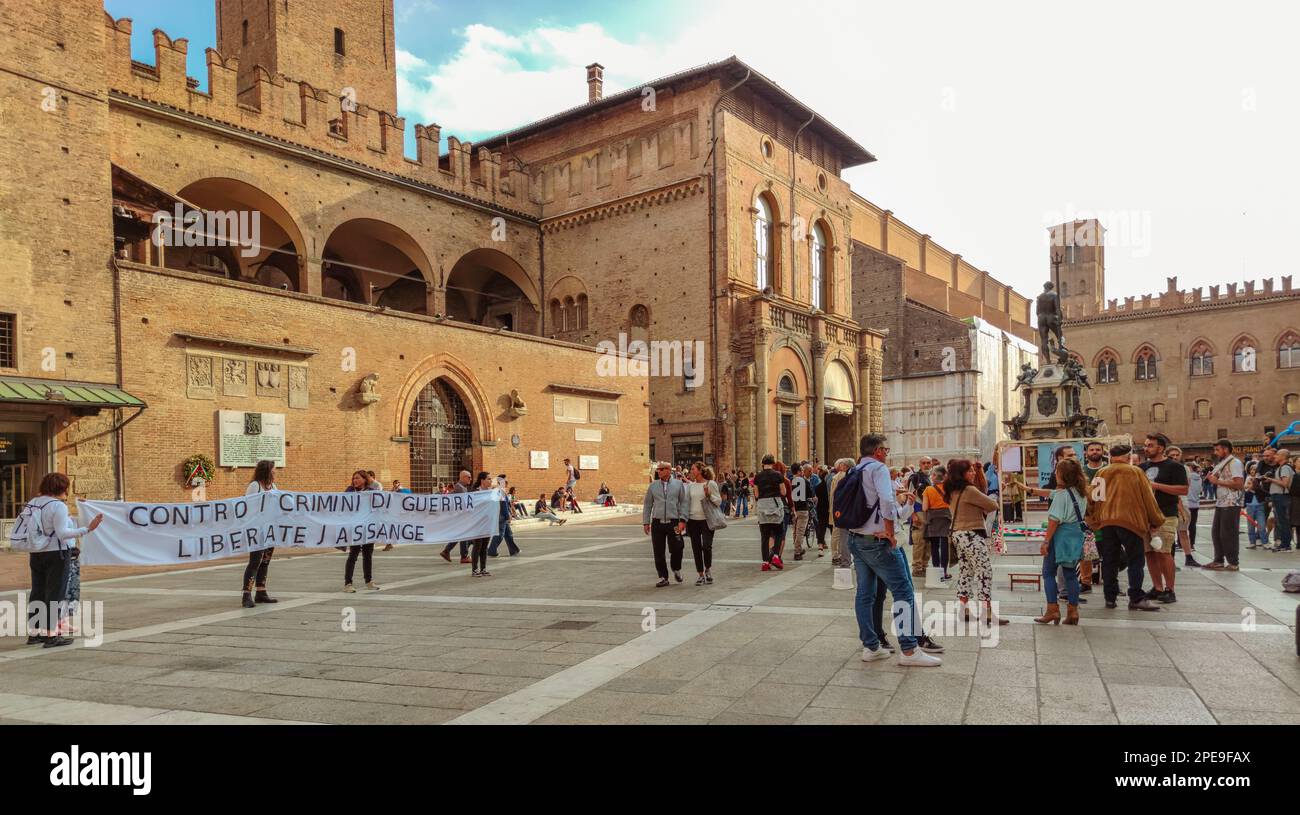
(1158, 311)
(621, 206)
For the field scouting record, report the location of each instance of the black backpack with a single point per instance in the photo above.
(851, 508)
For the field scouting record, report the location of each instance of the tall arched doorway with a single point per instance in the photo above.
(442, 437)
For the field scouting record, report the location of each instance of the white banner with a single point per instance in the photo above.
(141, 534)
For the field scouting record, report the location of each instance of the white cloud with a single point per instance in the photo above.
(983, 123)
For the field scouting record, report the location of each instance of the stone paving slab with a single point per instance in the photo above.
(558, 635)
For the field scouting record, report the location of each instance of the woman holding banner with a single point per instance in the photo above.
(259, 561)
(479, 546)
(360, 483)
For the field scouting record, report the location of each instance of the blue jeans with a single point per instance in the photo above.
(742, 506)
(874, 557)
(1050, 587)
(1282, 516)
(1257, 532)
(508, 537)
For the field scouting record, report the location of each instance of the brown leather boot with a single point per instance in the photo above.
(1072, 615)
(1053, 615)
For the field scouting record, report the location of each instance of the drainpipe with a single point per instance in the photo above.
(119, 438)
(794, 147)
(541, 265)
(713, 258)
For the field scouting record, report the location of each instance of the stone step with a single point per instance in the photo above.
(589, 514)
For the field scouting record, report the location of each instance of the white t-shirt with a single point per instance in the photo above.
(1228, 470)
(254, 488)
(695, 491)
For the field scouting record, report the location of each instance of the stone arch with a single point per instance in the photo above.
(1103, 354)
(805, 361)
(461, 378)
(1202, 343)
(488, 287)
(281, 244)
(1144, 348)
(1239, 343)
(370, 255)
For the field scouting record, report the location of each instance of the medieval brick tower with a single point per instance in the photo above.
(1077, 254)
(333, 46)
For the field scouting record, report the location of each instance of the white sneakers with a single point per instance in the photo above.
(869, 655)
(918, 659)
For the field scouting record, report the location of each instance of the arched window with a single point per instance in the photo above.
(1108, 369)
(557, 315)
(1288, 351)
(1065, 289)
(1145, 365)
(1245, 407)
(638, 330)
(1243, 356)
(1291, 404)
(764, 255)
(786, 385)
(819, 267)
(1201, 360)
(1125, 414)
(570, 313)
(1202, 409)
(1158, 413)
(582, 312)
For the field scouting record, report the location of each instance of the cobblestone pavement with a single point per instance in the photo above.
(556, 636)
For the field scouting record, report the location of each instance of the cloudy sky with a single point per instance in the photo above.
(1176, 123)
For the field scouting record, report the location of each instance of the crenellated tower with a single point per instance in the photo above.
(332, 46)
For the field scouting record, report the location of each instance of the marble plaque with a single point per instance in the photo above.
(199, 377)
(298, 386)
(234, 377)
(241, 442)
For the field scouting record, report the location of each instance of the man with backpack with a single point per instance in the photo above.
(44, 530)
(865, 505)
(571, 474)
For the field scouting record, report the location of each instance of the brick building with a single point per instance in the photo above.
(386, 316)
(1198, 365)
(705, 211)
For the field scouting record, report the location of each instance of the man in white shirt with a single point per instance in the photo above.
(1228, 477)
(875, 554)
(1279, 495)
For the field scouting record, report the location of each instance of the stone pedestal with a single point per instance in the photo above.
(1051, 408)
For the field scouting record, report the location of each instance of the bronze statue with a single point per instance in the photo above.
(1049, 319)
(1026, 378)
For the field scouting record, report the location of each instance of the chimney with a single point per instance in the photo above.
(595, 82)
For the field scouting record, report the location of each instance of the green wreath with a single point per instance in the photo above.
(198, 468)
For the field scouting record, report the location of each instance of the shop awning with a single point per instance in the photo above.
(26, 391)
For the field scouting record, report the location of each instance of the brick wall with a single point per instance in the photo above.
(336, 434)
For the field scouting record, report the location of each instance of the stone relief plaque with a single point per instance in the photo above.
(234, 377)
(298, 387)
(270, 379)
(243, 439)
(198, 377)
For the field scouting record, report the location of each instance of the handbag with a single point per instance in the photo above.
(938, 523)
(1067, 541)
(714, 517)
